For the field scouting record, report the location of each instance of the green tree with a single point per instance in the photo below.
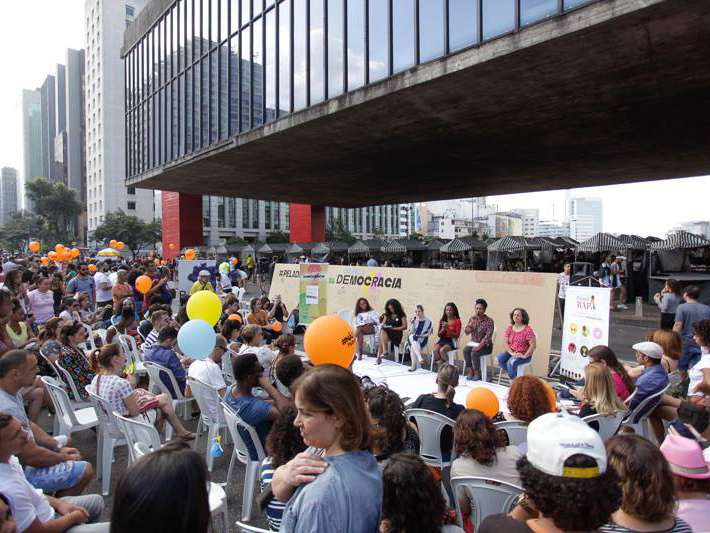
(130, 229)
(278, 237)
(336, 231)
(416, 236)
(24, 227)
(56, 205)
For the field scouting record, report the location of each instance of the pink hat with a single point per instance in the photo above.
(685, 457)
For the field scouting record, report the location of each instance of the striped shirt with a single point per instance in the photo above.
(150, 340)
(275, 509)
(680, 526)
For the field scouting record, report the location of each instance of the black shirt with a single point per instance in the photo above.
(438, 405)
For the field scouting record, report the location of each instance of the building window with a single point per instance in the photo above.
(131, 206)
(131, 190)
(130, 10)
(220, 212)
(206, 211)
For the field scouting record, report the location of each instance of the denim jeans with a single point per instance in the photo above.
(511, 364)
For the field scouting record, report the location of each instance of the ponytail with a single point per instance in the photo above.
(450, 392)
(448, 378)
(102, 358)
(94, 361)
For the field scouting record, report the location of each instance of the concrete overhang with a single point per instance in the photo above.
(615, 92)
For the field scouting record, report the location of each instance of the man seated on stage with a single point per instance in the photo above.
(480, 327)
(49, 464)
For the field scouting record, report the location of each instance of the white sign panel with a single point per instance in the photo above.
(188, 271)
(586, 325)
(312, 294)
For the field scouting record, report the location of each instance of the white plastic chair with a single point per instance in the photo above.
(521, 368)
(241, 453)
(156, 385)
(639, 423)
(67, 420)
(430, 425)
(484, 358)
(246, 528)
(452, 356)
(517, 432)
(102, 334)
(108, 437)
(608, 424)
(217, 496)
(227, 368)
(77, 402)
(488, 497)
(136, 431)
(212, 424)
(133, 354)
(90, 344)
(50, 364)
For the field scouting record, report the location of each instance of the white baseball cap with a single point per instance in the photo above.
(555, 437)
(651, 349)
(204, 273)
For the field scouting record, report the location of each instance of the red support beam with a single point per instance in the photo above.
(182, 222)
(307, 223)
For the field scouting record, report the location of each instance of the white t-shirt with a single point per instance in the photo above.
(113, 278)
(263, 354)
(208, 371)
(696, 374)
(563, 282)
(102, 295)
(26, 502)
(225, 281)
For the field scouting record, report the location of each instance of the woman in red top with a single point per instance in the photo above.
(449, 331)
(520, 341)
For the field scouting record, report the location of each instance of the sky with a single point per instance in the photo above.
(35, 34)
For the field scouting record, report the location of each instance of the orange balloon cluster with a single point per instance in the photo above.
(44, 261)
(120, 245)
(143, 284)
(189, 254)
(59, 248)
(330, 340)
(75, 252)
(53, 256)
(34, 246)
(113, 243)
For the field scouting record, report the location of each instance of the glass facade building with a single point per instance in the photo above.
(207, 70)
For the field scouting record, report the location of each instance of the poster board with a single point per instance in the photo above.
(586, 325)
(313, 292)
(433, 288)
(188, 271)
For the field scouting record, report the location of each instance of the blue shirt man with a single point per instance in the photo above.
(162, 353)
(652, 380)
(685, 316)
(82, 282)
(372, 262)
(252, 410)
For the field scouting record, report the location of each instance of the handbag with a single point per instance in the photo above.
(145, 400)
(695, 415)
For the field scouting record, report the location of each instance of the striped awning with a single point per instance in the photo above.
(601, 242)
(248, 249)
(435, 244)
(273, 248)
(358, 248)
(456, 246)
(681, 240)
(633, 241)
(320, 248)
(394, 247)
(511, 244)
(300, 248)
(475, 244)
(401, 246)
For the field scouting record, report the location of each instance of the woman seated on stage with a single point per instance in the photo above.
(420, 329)
(623, 384)
(598, 396)
(449, 331)
(366, 322)
(393, 322)
(520, 341)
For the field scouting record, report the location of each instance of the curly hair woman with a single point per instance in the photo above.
(412, 501)
(481, 451)
(648, 496)
(387, 413)
(283, 444)
(527, 399)
(567, 484)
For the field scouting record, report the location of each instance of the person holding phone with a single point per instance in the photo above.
(449, 332)
(393, 322)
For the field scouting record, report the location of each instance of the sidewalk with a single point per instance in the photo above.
(651, 316)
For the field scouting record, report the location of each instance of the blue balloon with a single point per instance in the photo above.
(197, 339)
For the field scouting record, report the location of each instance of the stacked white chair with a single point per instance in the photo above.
(67, 419)
(488, 497)
(241, 453)
(108, 437)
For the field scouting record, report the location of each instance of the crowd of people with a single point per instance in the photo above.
(341, 454)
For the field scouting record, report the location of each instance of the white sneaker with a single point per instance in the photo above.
(621, 306)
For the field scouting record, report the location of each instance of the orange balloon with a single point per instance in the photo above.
(163, 262)
(59, 248)
(235, 260)
(64, 256)
(113, 243)
(236, 317)
(92, 267)
(44, 261)
(189, 254)
(34, 246)
(330, 340)
(484, 400)
(551, 394)
(275, 326)
(171, 246)
(120, 245)
(75, 252)
(53, 255)
(143, 284)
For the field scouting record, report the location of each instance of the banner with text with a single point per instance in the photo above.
(313, 292)
(432, 288)
(586, 325)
